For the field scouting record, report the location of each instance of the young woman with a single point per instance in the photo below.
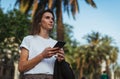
(37, 54)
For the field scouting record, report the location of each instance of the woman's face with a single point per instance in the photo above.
(47, 21)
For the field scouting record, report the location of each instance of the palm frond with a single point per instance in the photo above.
(91, 2)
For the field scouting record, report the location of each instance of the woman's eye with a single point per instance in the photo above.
(47, 17)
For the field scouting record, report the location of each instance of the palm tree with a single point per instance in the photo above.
(101, 50)
(110, 51)
(81, 60)
(57, 6)
(94, 41)
(116, 71)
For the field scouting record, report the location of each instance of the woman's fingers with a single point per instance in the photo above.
(49, 52)
(60, 55)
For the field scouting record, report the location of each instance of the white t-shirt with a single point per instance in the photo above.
(35, 45)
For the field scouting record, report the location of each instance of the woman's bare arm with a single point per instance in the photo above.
(25, 64)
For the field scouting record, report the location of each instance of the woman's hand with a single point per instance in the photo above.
(60, 55)
(49, 52)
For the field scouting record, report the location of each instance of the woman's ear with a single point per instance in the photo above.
(40, 23)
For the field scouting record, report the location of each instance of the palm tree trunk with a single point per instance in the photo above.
(1, 71)
(91, 75)
(81, 72)
(60, 27)
(107, 68)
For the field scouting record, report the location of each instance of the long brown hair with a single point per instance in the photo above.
(37, 19)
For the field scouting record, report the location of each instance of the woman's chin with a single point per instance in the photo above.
(50, 28)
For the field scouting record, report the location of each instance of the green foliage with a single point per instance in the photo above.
(98, 49)
(13, 27)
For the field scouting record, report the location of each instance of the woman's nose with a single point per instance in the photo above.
(51, 21)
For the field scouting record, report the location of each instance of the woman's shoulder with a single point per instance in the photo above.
(53, 39)
(28, 37)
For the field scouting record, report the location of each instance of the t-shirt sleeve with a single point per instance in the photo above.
(25, 43)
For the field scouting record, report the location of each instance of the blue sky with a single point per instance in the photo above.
(104, 19)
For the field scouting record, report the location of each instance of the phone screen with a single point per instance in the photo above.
(60, 44)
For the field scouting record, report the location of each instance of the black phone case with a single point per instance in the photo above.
(60, 44)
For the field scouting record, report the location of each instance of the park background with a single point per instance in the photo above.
(104, 19)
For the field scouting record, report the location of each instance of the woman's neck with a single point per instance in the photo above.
(44, 34)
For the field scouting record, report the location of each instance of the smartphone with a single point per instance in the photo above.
(60, 44)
